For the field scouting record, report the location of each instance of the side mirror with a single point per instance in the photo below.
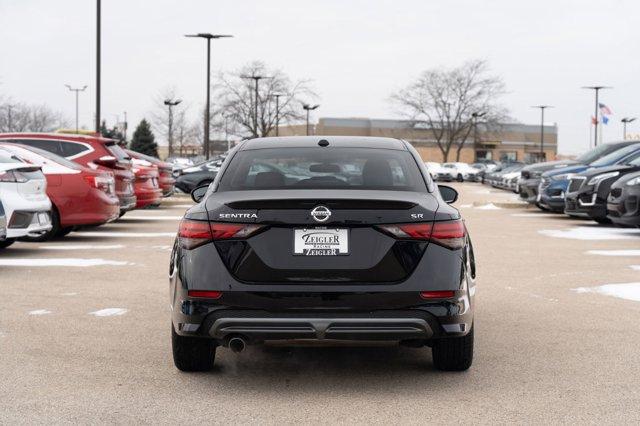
(198, 193)
(107, 161)
(449, 195)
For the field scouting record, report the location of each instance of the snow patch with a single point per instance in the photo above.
(183, 206)
(465, 206)
(593, 233)
(153, 217)
(635, 267)
(39, 312)
(534, 215)
(628, 291)
(69, 294)
(81, 247)
(615, 252)
(489, 206)
(74, 262)
(109, 312)
(126, 234)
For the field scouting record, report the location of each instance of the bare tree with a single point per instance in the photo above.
(446, 99)
(236, 100)
(20, 117)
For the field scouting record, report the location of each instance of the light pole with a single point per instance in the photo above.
(277, 96)
(475, 117)
(542, 108)
(207, 116)
(596, 121)
(625, 121)
(98, 26)
(77, 90)
(256, 79)
(171, 103)
(126, 125)
(308, 108)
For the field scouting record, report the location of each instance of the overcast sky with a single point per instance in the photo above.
(355, 52)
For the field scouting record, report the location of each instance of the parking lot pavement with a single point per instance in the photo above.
(84, 335)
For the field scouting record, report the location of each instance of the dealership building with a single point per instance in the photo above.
(504, 142)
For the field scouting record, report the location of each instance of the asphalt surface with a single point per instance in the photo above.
(545, 353)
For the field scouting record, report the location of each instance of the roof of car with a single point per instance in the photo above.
(334, 141)
(57, 136)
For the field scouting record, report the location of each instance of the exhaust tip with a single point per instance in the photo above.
(237, 344)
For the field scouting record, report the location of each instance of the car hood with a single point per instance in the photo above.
(579, 168)
(624, 179)
(549, 165)
(594, 171)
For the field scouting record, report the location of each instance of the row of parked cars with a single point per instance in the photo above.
(603, 184)
(460, 172)
(53, 183)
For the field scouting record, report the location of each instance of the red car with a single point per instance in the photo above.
(79, 195)
(166, 179)
(95, 152)
(148, 192)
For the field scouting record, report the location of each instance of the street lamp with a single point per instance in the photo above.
(98, 26)
(207, 118)
(595, 123)
(171, 103)
(256, 79)
(77, 90)
(308, 108)
(277, 96)
(624, 125)
(475, 116)
(542, 108)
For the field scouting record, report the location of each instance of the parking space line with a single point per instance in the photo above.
(125, 234)
(109, 312)
(81, 247)
(67, 262)
(615, 252)
(39, 312)
(628, 291)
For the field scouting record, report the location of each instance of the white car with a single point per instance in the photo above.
(433, 169)
(458, 171)
(23, 191)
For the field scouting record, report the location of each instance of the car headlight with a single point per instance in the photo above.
(565, 176)
(634, 181)
(599, 178)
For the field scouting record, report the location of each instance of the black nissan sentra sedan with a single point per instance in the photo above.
(342, 239)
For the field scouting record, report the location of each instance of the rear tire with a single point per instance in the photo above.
(460, 178)
(192, 353)
(454, 353)
(6, 243)
(603, 220)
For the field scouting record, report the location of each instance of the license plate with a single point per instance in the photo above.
(320, 242)
(43, 218)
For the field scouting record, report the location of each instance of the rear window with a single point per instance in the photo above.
(47, 145)
(69, 149)
(117, 152)
(55, 158)
(322, 168)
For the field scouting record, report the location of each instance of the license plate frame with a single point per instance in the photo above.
(321, 241)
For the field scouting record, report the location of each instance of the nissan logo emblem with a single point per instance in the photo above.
(321, 214)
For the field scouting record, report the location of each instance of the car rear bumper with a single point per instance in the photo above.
(146, 197)
(127, 202)
(529, 190)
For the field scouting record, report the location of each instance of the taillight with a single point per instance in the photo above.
(104, 183)
(205, 294)
(450, 234)
(12, 176)
(194, 233)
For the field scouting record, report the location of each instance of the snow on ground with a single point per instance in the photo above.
(628, 291)
(125, 234)
(109, 312)
(593, 233)
(534, 215)
(489, 206)
(635, 267)
(615, 252)
(81, 247)
(39, 312)
(74, 262)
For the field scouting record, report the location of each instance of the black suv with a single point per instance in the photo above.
(343, 238)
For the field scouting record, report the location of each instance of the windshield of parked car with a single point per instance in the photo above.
(323, 168)
(7, 157)
(52, 157)
(616, 156)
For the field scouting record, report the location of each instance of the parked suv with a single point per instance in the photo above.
(95, 152)
(623, 204)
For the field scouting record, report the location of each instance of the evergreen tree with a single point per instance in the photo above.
(143, 140)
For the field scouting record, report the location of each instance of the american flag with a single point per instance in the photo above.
(604, 110)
